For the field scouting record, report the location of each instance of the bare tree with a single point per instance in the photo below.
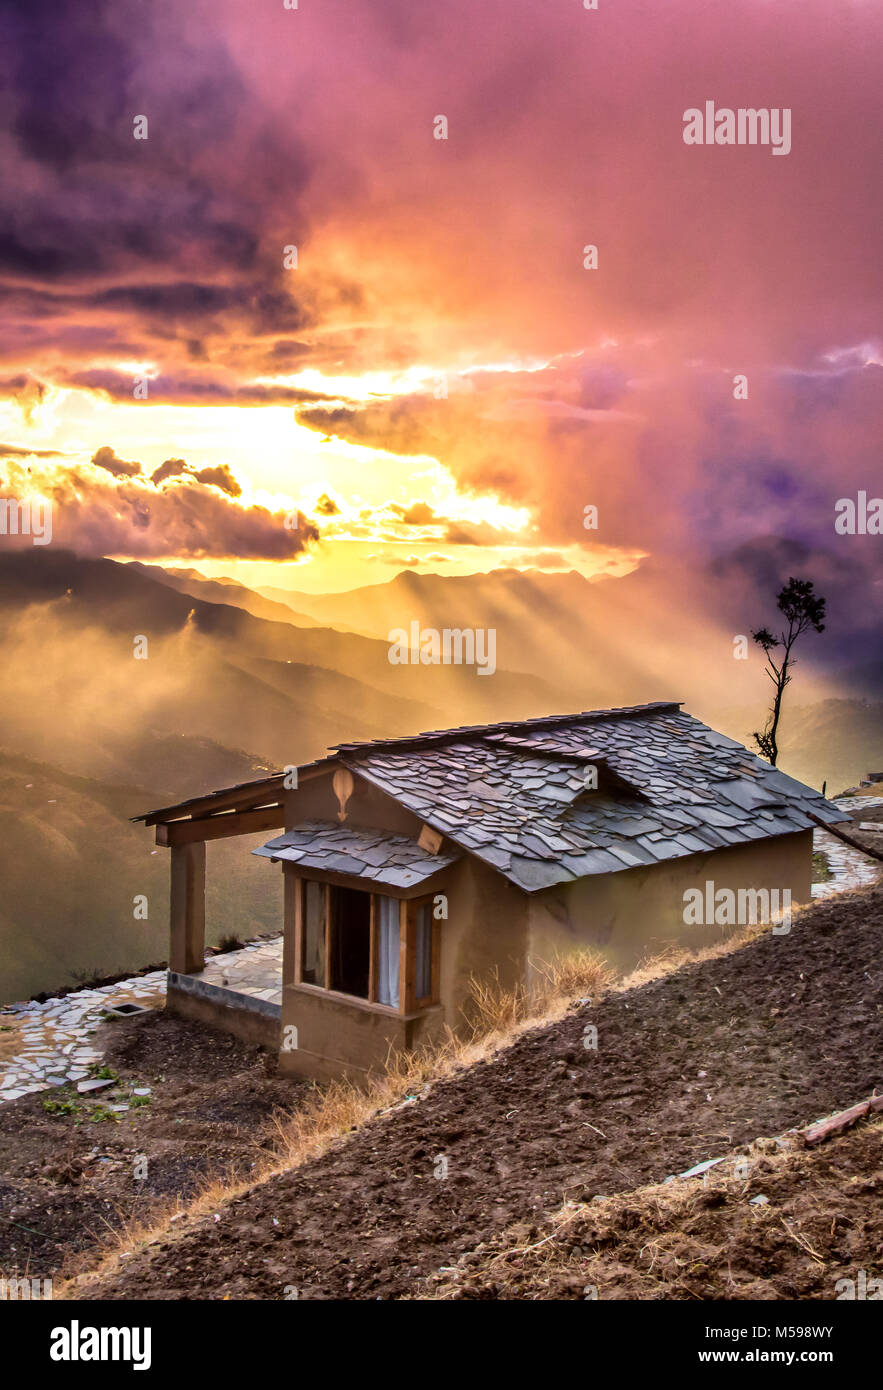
(802, 608)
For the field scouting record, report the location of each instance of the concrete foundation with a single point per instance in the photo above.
(251, 1020)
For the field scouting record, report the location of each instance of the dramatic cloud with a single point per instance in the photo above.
(437, 324)
(107, 459)
(170, 468)
(19, 451)
(196, 517)
(219, 476)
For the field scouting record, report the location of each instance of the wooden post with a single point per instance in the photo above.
(407, 956)
(292, 930)
(187, 909)
(373, 947)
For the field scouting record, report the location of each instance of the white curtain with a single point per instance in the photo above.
(388, 951)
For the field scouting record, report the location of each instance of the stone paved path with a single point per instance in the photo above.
(255, 970)
(44, 1045)
(850, 868)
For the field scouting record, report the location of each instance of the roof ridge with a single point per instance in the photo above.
(477, 731)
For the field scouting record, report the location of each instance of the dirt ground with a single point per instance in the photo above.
(784, 1225)
(67, 1178)
(688, 1067)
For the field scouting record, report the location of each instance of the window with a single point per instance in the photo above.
(351, 942)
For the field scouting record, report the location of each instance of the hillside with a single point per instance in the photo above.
(689, 1066)
(605, 643)
(73, 865)
(76, 622)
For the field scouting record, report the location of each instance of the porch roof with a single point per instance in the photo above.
(361, 851)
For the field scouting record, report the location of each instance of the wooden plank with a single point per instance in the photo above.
(354, 881)
(189, 832)
(242, 800)
(429, 839)
(372, 950)
(436, 961)
(187, 909)
(407, 956)
(292, 936)
(835, 1124)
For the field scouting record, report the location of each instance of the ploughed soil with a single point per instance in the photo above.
(693, 1065)
(67, 1172)
(767, 1224)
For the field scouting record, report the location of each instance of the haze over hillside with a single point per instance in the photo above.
(236, 683)
(664, 631)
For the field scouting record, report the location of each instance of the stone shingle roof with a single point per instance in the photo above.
(514, 795)
(395, 860)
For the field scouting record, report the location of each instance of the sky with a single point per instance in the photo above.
(294, 337)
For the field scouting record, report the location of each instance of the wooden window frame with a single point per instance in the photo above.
(408, 907)
(413, 906)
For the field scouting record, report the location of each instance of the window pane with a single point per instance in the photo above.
(424, 952)
(350, 941)
(387, 926)
(314, 933)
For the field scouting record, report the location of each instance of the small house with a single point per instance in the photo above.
(412, 865)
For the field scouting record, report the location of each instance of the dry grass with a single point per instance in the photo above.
(496, 1009)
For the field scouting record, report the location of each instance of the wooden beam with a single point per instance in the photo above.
(189, 832)
(847, 839)
(242, 800)
(237, 799)
(435, 983)
(187, 909)
(417, 890)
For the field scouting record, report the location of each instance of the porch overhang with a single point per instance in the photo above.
(393, 861)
